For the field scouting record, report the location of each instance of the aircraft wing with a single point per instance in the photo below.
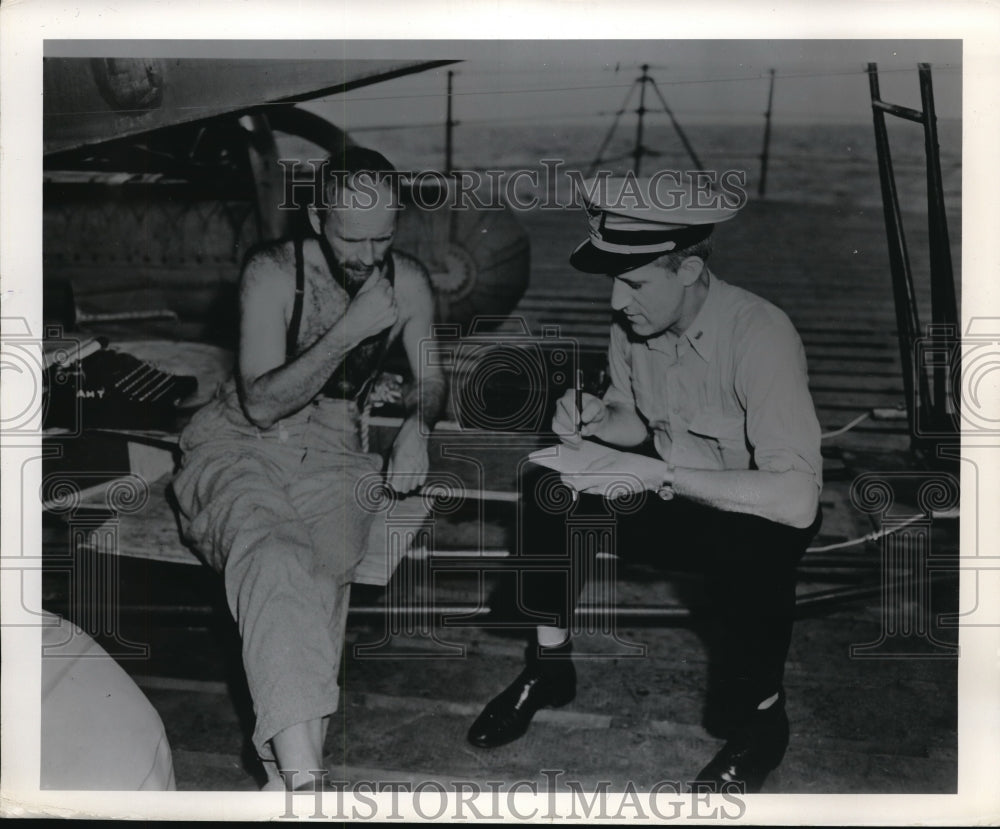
(91, 100)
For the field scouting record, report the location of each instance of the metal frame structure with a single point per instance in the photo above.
(931, 409)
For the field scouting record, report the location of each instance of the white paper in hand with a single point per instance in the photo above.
(570, 458)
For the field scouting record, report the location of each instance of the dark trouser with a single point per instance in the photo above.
(749, 565)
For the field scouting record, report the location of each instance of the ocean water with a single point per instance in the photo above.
(825, 163)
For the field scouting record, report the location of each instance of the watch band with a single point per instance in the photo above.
(666, 488)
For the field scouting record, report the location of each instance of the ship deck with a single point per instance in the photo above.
(883, 720)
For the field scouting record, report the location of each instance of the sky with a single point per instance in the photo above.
(815, 81)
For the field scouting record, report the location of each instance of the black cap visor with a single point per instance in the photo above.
(588, 259)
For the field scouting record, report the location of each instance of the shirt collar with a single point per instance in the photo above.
(702, 333)
(703, 330)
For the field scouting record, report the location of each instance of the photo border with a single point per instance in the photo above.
(26, 25)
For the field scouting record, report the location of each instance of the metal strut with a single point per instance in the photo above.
(640, 150)
(930, 415)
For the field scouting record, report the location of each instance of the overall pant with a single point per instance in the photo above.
(276, 512)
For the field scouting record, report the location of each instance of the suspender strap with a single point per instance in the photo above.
(300, 281)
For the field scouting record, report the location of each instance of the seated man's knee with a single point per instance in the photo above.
(268, 562)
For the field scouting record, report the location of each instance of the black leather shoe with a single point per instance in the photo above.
(751, 753)
(548, 681)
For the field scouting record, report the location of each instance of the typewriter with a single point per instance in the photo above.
(99, 387)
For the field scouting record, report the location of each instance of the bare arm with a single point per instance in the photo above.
(426, 401)
(790, 497)
(271, 388)
(409, 461)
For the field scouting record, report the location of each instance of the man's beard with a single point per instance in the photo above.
(354, 275)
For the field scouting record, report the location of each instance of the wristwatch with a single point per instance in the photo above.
(666, 488)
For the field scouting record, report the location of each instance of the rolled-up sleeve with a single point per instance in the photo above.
(773, 386)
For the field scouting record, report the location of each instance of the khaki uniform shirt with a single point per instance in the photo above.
(731, 392)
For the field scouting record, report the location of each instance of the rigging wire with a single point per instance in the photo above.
(349, 97)
(869, 537)
(610, 134)
(861, 418)
(677, 127)
(675, 82)
(872, 536)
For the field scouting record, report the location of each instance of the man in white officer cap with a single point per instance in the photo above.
(715, 378)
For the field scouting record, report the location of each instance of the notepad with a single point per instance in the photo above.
(578, 459)
(570, 458)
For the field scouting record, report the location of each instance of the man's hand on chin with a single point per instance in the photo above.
(409, 461)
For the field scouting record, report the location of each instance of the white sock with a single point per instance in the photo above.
(552, 637)
(768, 702)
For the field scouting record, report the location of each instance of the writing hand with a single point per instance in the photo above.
(591, 419)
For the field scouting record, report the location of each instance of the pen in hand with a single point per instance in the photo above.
(578, 389)
(578, 392)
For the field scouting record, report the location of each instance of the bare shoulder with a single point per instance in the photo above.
(413, 283)
(269, 273)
